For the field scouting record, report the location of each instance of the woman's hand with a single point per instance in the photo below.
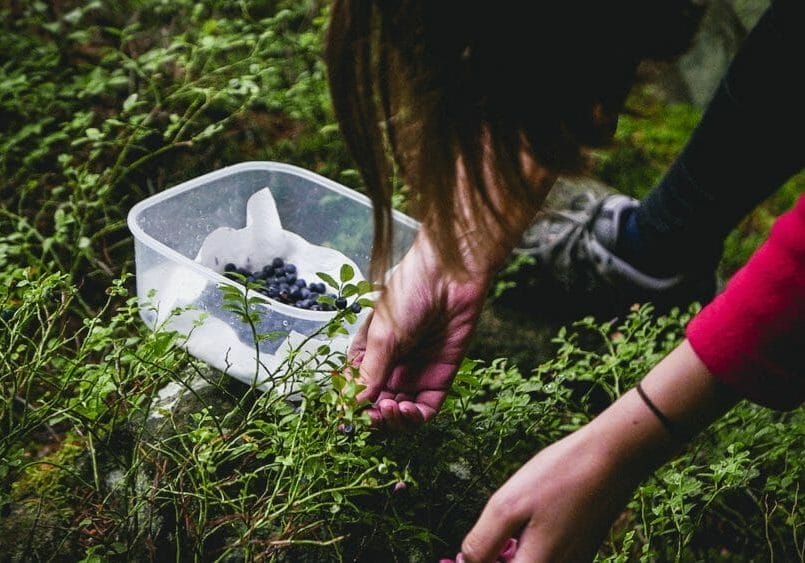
(409, 350)
(562, 503)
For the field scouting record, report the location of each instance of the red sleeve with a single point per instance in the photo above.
(752, 336)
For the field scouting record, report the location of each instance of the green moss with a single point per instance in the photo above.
(754, 229)
(49, 477)
(650, 135)
(39, 517)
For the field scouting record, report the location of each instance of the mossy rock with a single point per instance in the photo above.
(38, 521)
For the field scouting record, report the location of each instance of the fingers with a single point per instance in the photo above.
(416, 413)
(400, 416)
(492, 533)
(401, 412)
(375, 418)
(506, 555)
(509, 550)
(403, 394)
(373, 356)
(533, 546)
(406, 399)
(373, 373)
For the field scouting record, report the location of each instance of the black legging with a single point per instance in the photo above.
(750, 140)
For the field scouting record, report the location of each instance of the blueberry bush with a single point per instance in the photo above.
(116, 445)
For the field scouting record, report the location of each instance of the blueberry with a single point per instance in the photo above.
(304, 304)
(300, 282)
(355, 307)
(230, 267)
(295, 293)
(280, 280)
(284, 287)
(250, 278)
(243, 272)
(304, 292)
(272, 291)
(290, 278)
(290, 268)
(278, 263)
(341, 302)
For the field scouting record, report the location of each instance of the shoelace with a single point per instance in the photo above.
(570, 250)
(572, 263)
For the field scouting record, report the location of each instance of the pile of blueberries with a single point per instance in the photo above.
(278, 281)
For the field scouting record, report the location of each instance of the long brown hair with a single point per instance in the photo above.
(423, 84)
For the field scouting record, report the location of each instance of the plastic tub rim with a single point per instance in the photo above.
(288, 310)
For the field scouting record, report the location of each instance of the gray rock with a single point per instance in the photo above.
(723, 28)
(749, 11)
(714, 46)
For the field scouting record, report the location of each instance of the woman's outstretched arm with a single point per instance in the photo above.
(564, 500)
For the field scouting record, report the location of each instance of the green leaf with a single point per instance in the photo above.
(349, 290)
(209, 131)
(346, 273)
(272, 335)
(364, 286)
(338, 381)
(336, 329)
(130, 102)
(328, 279)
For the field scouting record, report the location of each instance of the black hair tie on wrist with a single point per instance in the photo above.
(676, 433)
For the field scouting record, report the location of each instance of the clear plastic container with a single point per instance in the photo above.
(178, 293)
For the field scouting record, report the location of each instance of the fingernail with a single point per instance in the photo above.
(509, 549)
(460, 558)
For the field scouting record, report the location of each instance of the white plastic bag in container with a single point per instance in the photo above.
(248, 214)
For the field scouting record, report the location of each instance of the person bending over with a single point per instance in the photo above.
(479, 107)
